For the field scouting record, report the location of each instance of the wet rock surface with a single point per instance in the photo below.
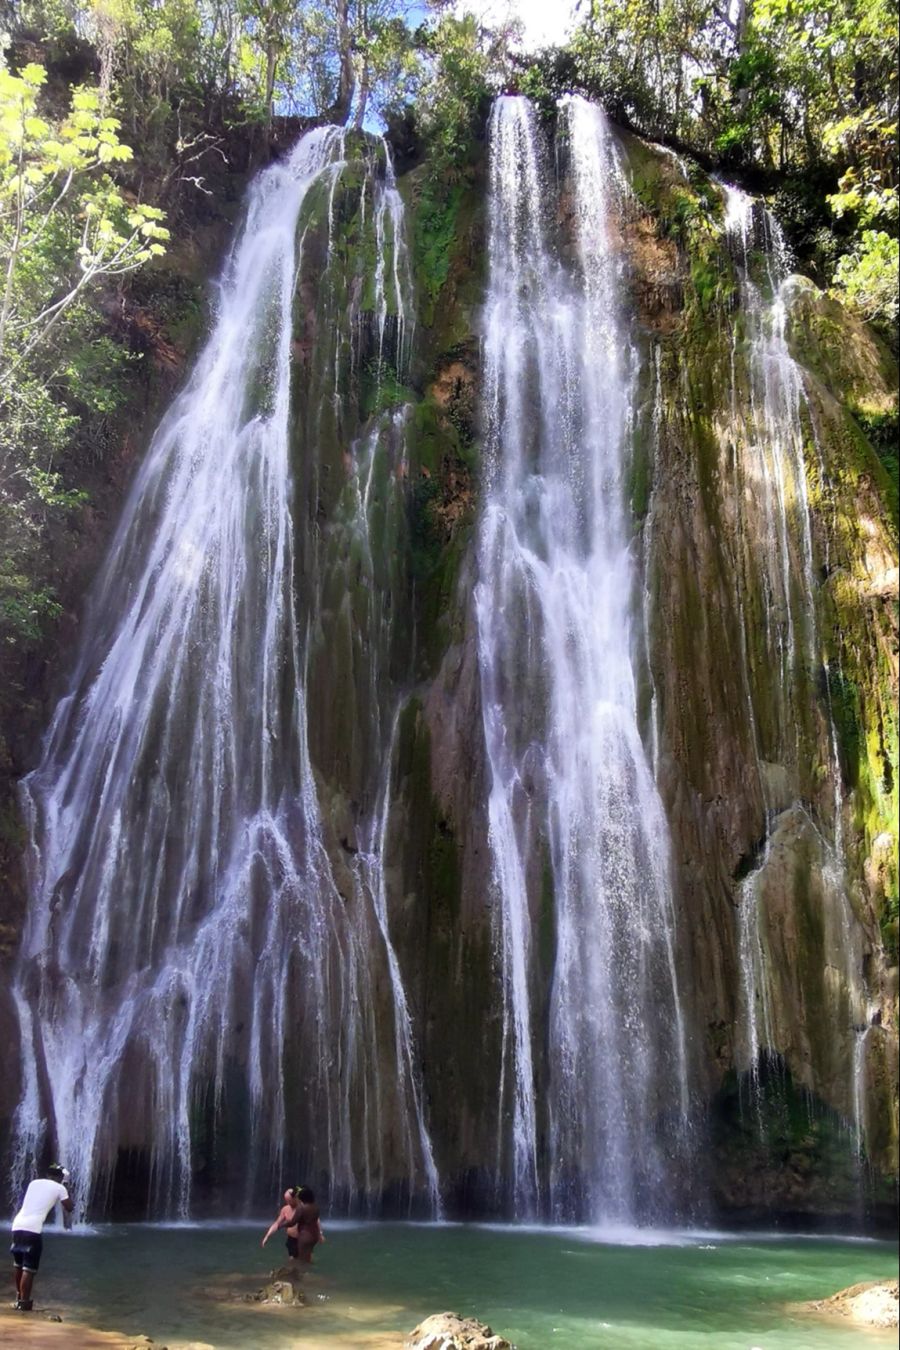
(283, 1288)
(872, 1304)
(449, 1331)
(723, 801)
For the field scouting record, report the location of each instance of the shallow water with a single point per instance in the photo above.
(574, 1288)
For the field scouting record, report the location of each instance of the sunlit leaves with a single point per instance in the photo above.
(869, 277)
(65, 225)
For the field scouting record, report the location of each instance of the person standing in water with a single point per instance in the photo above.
(286, 1218)
(299, 1217)
(309, 1227)
(28, 1227)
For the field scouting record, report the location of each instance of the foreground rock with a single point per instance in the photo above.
(875, 1304)
(448, 1331)
(279, 1291)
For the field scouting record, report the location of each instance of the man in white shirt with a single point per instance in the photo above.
(28, 1227)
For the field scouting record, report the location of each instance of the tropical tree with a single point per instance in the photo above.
(66, 227)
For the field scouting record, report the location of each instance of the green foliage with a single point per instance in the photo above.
(65, 227)
(455, 93)
(175, 75)
(868, 278)
(791, 94)
(435, 225)
(23, 609)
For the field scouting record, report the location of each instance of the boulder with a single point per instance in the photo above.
(873, 1304)
(280, 1291)
(449, 1331)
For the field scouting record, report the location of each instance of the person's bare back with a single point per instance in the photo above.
(286, 1219)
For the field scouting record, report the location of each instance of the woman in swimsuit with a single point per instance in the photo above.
(308, 1228)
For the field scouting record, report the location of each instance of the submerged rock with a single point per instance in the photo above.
(872, 1304)
(280, 1291)
(449, 1331)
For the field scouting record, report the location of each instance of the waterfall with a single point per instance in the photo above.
(776, 465)
(195, 979)
(579, 842)
(771, 487)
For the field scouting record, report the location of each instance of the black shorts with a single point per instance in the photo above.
(293, 1249)
(26, 1250)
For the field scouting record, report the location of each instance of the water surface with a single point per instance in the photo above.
(570, 1287)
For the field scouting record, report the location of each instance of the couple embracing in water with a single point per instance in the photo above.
(299, 1216)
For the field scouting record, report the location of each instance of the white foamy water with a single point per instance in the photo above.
(189, 964)
(573, 807)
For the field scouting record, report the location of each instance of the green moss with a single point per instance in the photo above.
(640, 473)
(882, 1114)
(706, 280)
(843, 698)
(882, 432)
(812, 955)
(426, 544)
(783, 1143)
(689, 211)
(430, 436)
(436, 218)
(12, 829)
(855, 367)
(651, 174)
(448, 258)
(381, 390)
(890, 928)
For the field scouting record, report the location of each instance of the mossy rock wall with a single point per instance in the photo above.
(760, 773)
(760, 776)
(794, 776)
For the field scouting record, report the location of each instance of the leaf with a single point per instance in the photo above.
(33, 74)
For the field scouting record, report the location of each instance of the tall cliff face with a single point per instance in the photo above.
(768, 695)
(763, 571)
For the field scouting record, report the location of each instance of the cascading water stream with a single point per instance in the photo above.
(363, 563)
(777, 464)
(578, 836)
(190, 968)
(774, 469)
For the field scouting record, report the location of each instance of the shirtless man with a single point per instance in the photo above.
(299, 1216)
(286, 1218)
